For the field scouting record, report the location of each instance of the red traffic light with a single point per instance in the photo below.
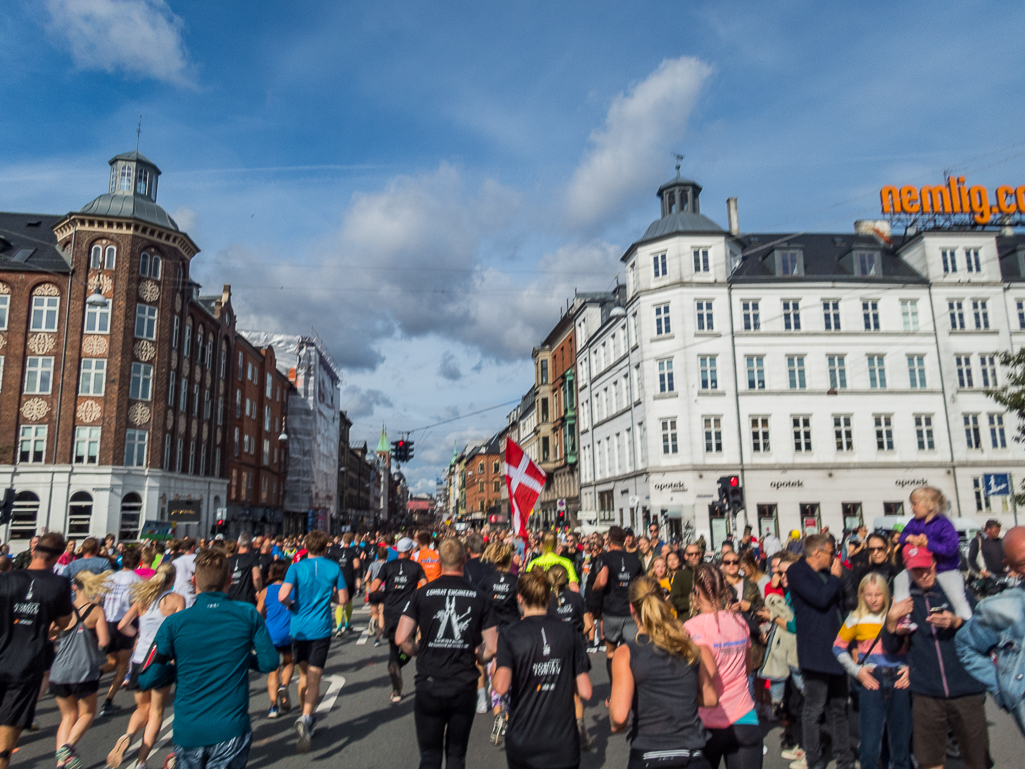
(734, 481)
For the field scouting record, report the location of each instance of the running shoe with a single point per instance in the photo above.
(801, 764)
(793, 754)
(396, 696)
(273, 712)
(284, 704)
(482, 701)
(109, 709)
(377, 642)
(117, 755)
(169, 761)
(303, 732)
(348, 627)
(66, 757)
(139, 765)
(339, 631)
(496, 730)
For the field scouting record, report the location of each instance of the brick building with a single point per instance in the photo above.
(485, 476)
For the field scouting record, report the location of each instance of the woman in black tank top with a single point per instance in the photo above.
(662, 676)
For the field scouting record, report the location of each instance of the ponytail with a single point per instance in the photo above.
(656, 620)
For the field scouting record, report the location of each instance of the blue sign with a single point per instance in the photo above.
(997, 484)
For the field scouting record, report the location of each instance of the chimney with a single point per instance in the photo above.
(731, 209)
(877, 228)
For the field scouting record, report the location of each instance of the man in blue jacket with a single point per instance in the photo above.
(817, 595)
(212, 644)
(946, 697)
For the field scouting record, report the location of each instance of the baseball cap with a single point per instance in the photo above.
(917, 557)
(404, 545)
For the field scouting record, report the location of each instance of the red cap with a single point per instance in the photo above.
(917, 557)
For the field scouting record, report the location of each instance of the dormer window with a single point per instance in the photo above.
(867, 264)
(125, 184)
(789, 262)
(141, 181)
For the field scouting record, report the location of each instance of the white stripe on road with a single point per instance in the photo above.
(337, 682)
(138, 743)
(363, 638)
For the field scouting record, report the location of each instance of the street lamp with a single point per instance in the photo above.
(96, 299)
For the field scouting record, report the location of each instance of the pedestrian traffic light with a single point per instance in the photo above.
(7, 506)
(731, 494)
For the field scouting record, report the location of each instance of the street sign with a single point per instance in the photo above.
(561, 504)
(997, 484)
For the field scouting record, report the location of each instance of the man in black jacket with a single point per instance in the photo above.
(817, 595)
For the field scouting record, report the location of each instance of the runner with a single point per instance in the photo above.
(347, 557)
(374, 597)
(427, 557)
(548, 558)
(90, 560)
(212, 644)
(500, 588)
(246, 580)
(543, 666)
(567, 606)
(316, 581)
(616, 569)
(115, 606)
(398, 579)
(185, 567)
(31, 600)
(453, 619)
(277, 619)
(152, 601)
(75, 676)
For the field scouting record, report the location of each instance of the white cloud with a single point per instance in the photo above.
(137, 37)
(359, 403)
(631, 148)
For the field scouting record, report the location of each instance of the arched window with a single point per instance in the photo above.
(23, 519)
(141, 181)
(199, 344)
(125, 184)
(154, 267)
(209, 349)
(144, 264)
(187, 351)
(111, 254)
(80, 513)
(131, 514)
(96, 257)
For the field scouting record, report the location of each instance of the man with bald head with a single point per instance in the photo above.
(998, 626)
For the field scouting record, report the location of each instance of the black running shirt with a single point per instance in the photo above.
(242, 586)
(545, 655)
(400, 578)
(623, 567)
(30, 600)
(568, 607)
(501, 589)
(346, 558)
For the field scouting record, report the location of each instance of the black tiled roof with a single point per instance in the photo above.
(826, 256)
(1009, 247)
(27, 243)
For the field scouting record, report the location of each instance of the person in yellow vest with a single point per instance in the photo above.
(428, 559)
(548, 558)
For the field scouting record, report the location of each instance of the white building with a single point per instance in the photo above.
(832, 372)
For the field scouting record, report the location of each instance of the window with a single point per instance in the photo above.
(981, 313)
(199, 345)
(97, 319)
(544, 372)
(87, 445)
(956, 310)
(843, 432)
(988, 365)
(141, 386)
(141, 180)
(996, 431)
(789, 263)
(238, 372)
(32, 444)
(146, 322)
(249, 370)
(266, 420)
(208, 404)
(665, 375)
(972, 263)
(795, 372)
(175, 331)
(831, 314)
(195, 399)
(669, 445)
(125, 180)
(170, 390)
(870, 313)
(187, 350)
(866, 263)
(110, 255)
(192, 457)
(884, 432)
(964, 371)
(949, 257)
(755, 372)
(705, 317)
(1020, 303)
(700, 260)
(224, 360)
(709, 375)
(660, 265)
(971, 431)
(760, 434)
(154, 267)
(792, 315)
(802, 433)
(496, 487)
(131, 514)
(546, 450)
(836, 364)
(209, 359)
(249, 407)
(877, 372)
(44, 313)
(983, 502)
(135, 448)
(38, 376)
(269, 389)
(909, 314)
(96, 257)
(916, 372)
(93, 377)
(5, 303)
(236, 441)
(183, 395)
(238, 404)
(713, 435)
(752, 319)
(144, 264)
(923, 432)
(662, 320)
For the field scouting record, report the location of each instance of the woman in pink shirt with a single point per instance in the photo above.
(733, 723)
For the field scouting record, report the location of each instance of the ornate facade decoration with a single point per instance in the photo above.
(181, 423)
(174, 361)
(88, 411)
(206, 432)
(35, 409)
(94, 346)
(4, 288)
(145, 350)
(139, 413)
(195, 427)
(178, 303)
(46, 289)
(217, 436)
(102, 283)
(170, 419)
(207, 379)
(41, 344)
(3, 340)
(149, 291)
(185, 368)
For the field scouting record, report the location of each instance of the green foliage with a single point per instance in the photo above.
(1012, 397)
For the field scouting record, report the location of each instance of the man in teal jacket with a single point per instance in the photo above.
(212, 644)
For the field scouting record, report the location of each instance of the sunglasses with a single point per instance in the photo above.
(876, 549)
(731, 562)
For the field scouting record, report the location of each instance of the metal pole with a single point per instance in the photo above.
(1014, 501)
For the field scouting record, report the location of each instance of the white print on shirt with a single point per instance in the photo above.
(546, 649)
(28, 606)
(450, 618)
(548, 667)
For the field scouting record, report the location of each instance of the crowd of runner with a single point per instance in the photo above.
(701, 649)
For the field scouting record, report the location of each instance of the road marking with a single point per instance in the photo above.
(337, 682)
(138, 742)
(363, 638)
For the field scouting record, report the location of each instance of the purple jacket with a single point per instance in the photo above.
(943, 541)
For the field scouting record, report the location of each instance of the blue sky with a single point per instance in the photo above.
(427, 183)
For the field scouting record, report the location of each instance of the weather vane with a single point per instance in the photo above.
(679, 160)
(138, 134)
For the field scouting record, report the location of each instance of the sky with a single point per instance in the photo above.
(427, 184)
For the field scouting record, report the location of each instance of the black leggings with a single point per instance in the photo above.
(443, 726)
(739, 744)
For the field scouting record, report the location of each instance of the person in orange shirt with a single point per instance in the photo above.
(428, 559)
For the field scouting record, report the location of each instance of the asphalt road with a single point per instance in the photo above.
(363, 729)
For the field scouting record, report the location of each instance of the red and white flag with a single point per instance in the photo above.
(524, 480)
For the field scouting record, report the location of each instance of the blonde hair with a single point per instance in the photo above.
(656, 620)
(145, 592)
(877, 579)
(500, 554)
(938, 498)
(558, 577)
(93, 586)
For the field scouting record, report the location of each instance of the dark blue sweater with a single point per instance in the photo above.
(818, 600)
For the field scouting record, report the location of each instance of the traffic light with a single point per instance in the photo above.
(399, 450)
(731, 494)
(7, 506)
(409, 450)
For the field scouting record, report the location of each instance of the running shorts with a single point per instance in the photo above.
(615, 629)
(119, 642)
(18, 703)
(311, 652)
(79, 691)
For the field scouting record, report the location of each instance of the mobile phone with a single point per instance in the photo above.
(936, 610)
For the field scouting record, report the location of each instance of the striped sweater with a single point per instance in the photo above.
(863, 631)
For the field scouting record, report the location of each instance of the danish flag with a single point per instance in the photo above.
(524, 480)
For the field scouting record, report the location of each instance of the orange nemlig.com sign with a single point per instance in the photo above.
(953, 198)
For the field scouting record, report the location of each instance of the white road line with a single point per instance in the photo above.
(363, 638)
(138, 742)
(337, 682)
